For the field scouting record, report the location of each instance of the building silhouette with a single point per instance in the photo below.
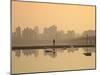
(29, 36)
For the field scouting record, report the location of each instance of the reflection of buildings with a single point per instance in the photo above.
(89, 49)
(29, 36)
(27, 52)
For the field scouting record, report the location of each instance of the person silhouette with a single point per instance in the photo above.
(53, 42)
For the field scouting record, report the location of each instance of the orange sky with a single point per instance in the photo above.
(65, 17)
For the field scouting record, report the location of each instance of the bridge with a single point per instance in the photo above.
(49, 46)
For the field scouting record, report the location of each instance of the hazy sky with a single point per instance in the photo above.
(65, 17)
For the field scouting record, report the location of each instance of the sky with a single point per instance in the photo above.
(66, 17)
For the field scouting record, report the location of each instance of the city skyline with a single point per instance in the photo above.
(31, 36)
(37, 27)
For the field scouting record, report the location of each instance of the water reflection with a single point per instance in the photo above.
(61, 50)
(17, 53)
(89, 49)
(27, 52)
(51, 52)
(30, 52)
(72, 49)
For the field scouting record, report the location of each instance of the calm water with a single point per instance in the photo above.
(41, 60)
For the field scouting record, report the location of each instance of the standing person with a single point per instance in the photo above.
(53, 42)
